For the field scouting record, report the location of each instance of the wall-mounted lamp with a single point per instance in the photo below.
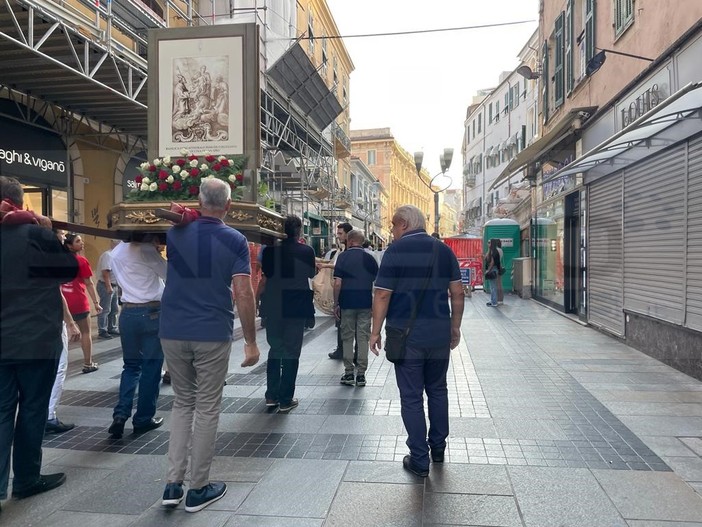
(526, 72)
(553, 245)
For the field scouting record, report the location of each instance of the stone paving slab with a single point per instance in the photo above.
(367, 504)
(470, 509)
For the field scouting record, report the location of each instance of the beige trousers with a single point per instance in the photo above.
(198, 371)
(355, 323)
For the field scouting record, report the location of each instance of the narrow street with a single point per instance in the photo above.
(552, 424)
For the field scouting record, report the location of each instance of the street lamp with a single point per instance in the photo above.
(445, 161)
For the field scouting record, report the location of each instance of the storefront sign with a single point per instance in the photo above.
(644, 98)
(30, 153)
(558, 185)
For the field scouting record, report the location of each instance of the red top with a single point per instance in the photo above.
(75, 291)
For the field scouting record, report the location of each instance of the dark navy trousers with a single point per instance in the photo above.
(424, 370)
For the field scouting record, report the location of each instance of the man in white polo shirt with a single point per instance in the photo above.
(140, 272)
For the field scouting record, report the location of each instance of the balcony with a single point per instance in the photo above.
(342, 198)
(469, 180)
(342, 143)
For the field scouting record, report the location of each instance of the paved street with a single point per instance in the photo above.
(553, 424)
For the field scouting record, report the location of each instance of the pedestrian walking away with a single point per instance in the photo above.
(33, 264)
(206, 260)
(416, 279)
(284, 286)
(140, 272)
(354, 274)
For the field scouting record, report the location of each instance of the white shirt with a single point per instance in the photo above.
(104, 264)
(140, 271)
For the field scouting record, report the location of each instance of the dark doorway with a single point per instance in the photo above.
(571, 256)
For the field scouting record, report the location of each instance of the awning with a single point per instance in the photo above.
(675, 119)
(316, 217)
(558, 133)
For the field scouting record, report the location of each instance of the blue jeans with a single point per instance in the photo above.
(424, 370)
(493, 291)
(143, 358)
(107, 320)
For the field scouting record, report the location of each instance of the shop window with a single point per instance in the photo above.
(623, 15)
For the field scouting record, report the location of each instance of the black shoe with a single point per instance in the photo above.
(172, 495)
(54, 426)
(360, 380)
(167, 378)
(309, 323)
(113, 332)
(104, 335)
(285, 408)
(198, 499)
(437, 455)
(45, 482)
(150, 425)
(347, 379)
(335, 355)
(408, 465)
(116, 429)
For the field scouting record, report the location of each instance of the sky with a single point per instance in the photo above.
(420, 86)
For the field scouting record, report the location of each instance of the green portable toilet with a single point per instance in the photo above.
(546, 239)
(508, 231)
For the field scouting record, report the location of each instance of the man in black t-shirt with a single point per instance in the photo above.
(354, 274)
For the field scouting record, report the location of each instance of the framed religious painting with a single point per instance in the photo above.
(203, 94)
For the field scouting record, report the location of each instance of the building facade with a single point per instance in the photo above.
(394, 167)
(448, 219)
(367, 209)
(616, 171)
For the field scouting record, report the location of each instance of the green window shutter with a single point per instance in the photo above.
(558, 62)
(589, 29)
(569, 77)
(544, 81)
(490, 113)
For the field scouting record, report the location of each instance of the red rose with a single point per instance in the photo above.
(240, 177)
(138, 180)
(192, 158)
(162, 174)
(194, 172)
(181, 162)
(163, 187)
(177, 185)
(216, 167)
(152, 168)
(210, 158)
(194, 190)
(232, 186)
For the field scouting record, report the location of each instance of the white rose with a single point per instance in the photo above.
(232, 178)
(153, 187)
(146, 180)
(157, 162)
(167, 159)
(193, 163)
(183, 152)
(204, 166)
(144, 165)
(221, 158)
(184, 174)
(176, 169)
(169, 179)
(144, 187)
(231, 162)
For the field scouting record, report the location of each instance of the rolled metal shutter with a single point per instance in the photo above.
(604, 252)
(654, 236)
(694, 236)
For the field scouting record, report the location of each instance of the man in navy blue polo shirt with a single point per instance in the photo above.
(354, 274)
(413, 257)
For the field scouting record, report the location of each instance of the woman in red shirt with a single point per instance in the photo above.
(76, 294)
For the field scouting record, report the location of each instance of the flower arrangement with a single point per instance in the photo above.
(178, 179)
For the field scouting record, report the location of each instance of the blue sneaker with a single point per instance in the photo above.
(198, 499)
(172, 495)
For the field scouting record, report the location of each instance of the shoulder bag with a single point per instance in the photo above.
(396, 338)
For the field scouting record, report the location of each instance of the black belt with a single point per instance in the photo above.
(155, 303)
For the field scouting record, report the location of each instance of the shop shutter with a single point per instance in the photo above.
(605, 254)
(654, 236)
(694, 236)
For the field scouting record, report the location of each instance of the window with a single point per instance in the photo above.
(569, 77)
(335, 80)
(508, 94)
(310, 32)
(589, 31)
(344, 89)
(325, 59)
(490, 113)
(623, 15)
(371, 157)
(474, 128)
(480, 123)
(497, 111)
(558, 73)
(545, 80)
(515, 96)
